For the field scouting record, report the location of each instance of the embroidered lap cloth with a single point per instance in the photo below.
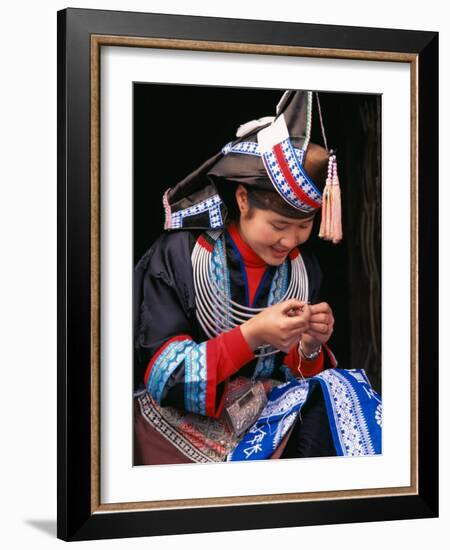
(199, 438)
(354, 412)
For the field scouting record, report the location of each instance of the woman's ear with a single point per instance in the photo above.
(242, 200)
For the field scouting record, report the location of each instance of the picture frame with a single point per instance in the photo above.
(81, 36)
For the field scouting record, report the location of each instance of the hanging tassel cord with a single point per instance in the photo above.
(309, 109)
(322, 127)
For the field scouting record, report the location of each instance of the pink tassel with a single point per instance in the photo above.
(336, 210)
(325, 221)
(331, 223)
(322, 231)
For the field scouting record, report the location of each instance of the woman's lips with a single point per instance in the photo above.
(277, 252)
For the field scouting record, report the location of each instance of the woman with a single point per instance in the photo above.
(227, 306)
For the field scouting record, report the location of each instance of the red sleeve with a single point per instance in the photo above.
(233, 352)
(226, 354)
(308, 368)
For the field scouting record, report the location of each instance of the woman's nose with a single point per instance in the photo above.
(289, 241)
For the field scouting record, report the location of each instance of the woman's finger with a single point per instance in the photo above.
(325, 318)
(320, 328)
(323, 307)
(291, 324)
(292, 304)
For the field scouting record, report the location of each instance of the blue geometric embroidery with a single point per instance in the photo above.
(212, 205)
(354, 405)
(195, 379)
(215, 216)
(194, 357)
(252, 148)
(243, 147)
(353, 409)
(279, 283)
(171, 357)
(296, 168)
(221, 279)
(264, 367)
(301, 178)
(277, 417)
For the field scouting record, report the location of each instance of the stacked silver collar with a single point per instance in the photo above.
(216, 311)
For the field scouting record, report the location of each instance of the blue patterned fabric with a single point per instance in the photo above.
(243, 147)
(194, 357)
(354, 413)
(264, 367)
(279, 284)
(252, 148)
(300, 176)
(221, 276)
(169, 359)
(212, 205)
(195, 379)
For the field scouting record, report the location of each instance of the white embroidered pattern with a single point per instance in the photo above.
(252, 148)
(379, 415)
(212, 205)
(281, 184)
(195, 379)
(357, 375)
(286, 401)
(351, 425)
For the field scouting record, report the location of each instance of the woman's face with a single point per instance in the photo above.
(271, 235)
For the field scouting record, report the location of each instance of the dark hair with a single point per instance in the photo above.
(271, 200)
(227, 192)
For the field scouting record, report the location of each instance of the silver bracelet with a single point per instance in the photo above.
(310, 356)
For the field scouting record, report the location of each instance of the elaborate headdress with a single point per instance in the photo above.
(272, 154)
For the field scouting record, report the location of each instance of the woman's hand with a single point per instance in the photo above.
(281, 325)
(321, 323)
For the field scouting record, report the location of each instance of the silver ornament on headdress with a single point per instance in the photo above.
(216, 311)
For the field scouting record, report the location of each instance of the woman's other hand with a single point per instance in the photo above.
(281, 325)
(321, 323)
